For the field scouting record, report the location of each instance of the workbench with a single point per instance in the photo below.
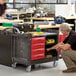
(69, 19)
(17, 14)
(49, 26)
(10, 21)
(50, 18)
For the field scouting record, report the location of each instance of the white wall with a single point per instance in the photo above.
(60, 10)
(65, 9)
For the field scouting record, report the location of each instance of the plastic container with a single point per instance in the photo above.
(7, 24)
(38, 29)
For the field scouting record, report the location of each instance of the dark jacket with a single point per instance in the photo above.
(2, 9)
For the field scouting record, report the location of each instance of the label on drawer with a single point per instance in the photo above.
(38, 40)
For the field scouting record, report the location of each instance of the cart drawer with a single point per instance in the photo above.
(38, 40)
(37, 46)
(38, 51)
(38, 56)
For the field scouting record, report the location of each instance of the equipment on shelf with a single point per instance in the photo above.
(59, 19)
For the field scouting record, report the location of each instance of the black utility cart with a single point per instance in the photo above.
(26, 48)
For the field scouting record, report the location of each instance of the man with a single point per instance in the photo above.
(2, 9)
(69, 56)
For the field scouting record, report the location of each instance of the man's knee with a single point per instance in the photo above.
(65, 52)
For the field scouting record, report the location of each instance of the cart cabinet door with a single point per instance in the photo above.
(37, 48)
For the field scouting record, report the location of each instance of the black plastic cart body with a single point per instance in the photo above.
(18, 48)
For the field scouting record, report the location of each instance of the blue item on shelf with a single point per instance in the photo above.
(59, 20)
(9, 16)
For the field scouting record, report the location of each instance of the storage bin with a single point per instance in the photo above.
(7, 24)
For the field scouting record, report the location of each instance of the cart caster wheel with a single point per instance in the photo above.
(32, 66)
(28, 68)
(54, 64)
(14, 65)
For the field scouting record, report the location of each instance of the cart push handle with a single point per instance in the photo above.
(18, 31)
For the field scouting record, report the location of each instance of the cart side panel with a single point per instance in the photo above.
(5, 49)
(22, 49)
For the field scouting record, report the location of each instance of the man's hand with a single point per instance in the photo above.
(47, 49)
(55, 47)
(64, 46)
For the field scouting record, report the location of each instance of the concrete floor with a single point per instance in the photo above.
(45, 69)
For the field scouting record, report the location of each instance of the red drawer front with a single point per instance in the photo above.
(38, 40)
(37, 46)
(37, 51)
(39, 56)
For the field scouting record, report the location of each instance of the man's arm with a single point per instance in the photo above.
(55, 46)
(60, 46)
(64, 46)
(4, 14)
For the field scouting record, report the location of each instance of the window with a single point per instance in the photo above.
(47, 5)
(30, 3)
(25, 1)
(46, 1)
(62, 1)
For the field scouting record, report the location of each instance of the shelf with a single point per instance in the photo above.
(50, 44)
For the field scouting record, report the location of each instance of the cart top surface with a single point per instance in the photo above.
(41, 33)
